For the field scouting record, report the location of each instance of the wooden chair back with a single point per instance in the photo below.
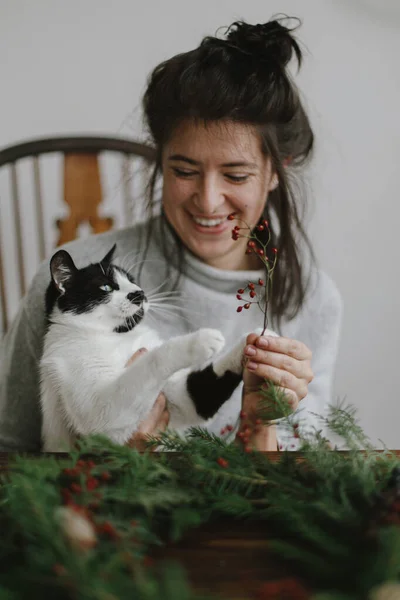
(82, 191)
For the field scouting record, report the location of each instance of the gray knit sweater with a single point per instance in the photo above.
(208, 299)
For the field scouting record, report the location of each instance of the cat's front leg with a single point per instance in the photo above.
(134, 392)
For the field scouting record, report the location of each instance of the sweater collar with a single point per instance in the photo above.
(219, 280)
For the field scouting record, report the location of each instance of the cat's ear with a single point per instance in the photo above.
(62, 269)
(105, 263)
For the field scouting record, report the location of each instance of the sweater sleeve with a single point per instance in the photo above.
(320, 330)
(20, 351)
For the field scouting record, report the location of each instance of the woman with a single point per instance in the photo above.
(230, 133)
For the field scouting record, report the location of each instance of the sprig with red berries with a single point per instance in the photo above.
(257, 292)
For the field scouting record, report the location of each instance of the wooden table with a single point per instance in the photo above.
(229, 558)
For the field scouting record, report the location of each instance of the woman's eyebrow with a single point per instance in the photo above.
(182, 158)
(191, 161)
(240, 164)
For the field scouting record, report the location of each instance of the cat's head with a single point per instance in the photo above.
(103, 293)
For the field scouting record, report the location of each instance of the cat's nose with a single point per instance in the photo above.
(136, 297)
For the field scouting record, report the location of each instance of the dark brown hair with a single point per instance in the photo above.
(244, 78)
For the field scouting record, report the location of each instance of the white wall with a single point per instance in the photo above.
(80, 66)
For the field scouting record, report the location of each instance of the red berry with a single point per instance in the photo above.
(241, 291)
(258, 421)
(238, 296)
(92, 483)
(243, 415)
(66, 496)
(261, 228)
(248, 250)
(260, 251)
(229, 427)
(148, 561)
(252, 294)
(75, 487)
(231, 217)
(235, 235)
(222, 462)
(260, 282)
(240, 435)
(274, 250)
(295, 426)
(222, 432)
(236, 228)
(239, 309)
(251, 244)
(247, 305)
(265, 223)
(108, 529)
(251, 286)
(59, 569)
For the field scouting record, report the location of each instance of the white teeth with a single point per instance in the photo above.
(208, 222)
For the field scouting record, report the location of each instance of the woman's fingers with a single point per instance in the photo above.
(163, 422)
(156, 416)
(283, 345)
(136, 355)
(300, 369)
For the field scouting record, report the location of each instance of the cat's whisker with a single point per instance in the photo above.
(170, 313)
(164, 295)
(128, 262)
(122, 260)
(178, 312)
(168, 304)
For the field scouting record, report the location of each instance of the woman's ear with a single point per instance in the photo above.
(62, 270)
(273, 184)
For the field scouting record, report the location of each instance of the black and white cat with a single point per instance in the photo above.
(96, 321)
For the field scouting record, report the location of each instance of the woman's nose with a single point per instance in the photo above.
(209, 198)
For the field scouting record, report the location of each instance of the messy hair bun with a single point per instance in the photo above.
(269, 42)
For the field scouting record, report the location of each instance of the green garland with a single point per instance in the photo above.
(333, 516)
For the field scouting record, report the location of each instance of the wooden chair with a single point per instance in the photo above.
(82, 191)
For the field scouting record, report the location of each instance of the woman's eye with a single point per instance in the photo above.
(106, 288)
(182, 173)
(237, 178)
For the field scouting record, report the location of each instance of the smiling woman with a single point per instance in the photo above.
(230, 132)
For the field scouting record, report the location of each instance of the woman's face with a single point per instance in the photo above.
(210, 171)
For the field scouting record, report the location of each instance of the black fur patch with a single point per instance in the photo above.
(83, 294)
(209, 392)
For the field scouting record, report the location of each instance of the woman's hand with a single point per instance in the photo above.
(285, 362)
(156, 422)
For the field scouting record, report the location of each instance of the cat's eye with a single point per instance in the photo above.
(106, 288)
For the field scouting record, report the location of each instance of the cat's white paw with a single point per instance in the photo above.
(206, 343)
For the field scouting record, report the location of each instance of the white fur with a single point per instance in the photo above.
(86, 387)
